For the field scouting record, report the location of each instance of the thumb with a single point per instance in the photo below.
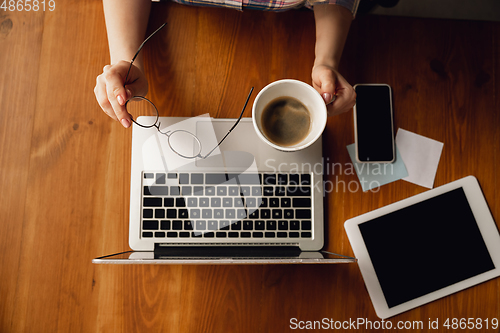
(327, 87)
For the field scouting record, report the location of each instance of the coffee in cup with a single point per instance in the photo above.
(289, 115)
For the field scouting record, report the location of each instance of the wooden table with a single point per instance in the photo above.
(65, 166)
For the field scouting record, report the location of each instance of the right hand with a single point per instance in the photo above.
(112, 92)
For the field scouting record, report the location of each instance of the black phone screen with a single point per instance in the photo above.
(374, 123)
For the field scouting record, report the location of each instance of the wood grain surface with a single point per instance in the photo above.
(65, 166)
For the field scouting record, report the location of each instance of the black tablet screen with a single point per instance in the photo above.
(425, 247)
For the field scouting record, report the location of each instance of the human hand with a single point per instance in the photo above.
(112, 92)
(337, 93)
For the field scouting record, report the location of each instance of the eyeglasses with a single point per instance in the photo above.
(178, 139)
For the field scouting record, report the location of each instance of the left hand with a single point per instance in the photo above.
(337, 93)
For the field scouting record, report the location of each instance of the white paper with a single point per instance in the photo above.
(421, 157)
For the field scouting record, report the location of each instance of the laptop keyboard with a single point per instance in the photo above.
(222, 206)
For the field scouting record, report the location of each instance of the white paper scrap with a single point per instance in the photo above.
(421, 157)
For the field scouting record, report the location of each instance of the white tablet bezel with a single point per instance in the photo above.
(486, 224)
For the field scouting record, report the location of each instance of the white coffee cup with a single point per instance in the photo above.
(307, 95)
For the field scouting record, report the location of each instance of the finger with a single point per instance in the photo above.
(117, 96)
(102, 98)
(346, 98)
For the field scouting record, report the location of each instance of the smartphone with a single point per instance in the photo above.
(373, 125)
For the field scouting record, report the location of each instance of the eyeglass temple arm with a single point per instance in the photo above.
(236, 123)
(140, 48)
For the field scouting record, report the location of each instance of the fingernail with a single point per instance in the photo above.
(327, 97)
(125, 123)
(120, 99)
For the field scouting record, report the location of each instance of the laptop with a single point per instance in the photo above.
(246, 203)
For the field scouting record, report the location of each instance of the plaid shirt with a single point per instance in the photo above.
(272, 5)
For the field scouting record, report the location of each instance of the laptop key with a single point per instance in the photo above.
(176, 225)
(150, 225)
(184, 234)
(188, 225)
(257, 234)
(282, 225)
(186, 190)
(277, 214)
(209, 235)
(233, 234)
(294, 179)
(306, 179)
(175, 190)
(268, 191)
(155, 190)
(288, 214)
(147, 234)
(198, 190)
(152, 202)
(274, 202)
(192, 202)
(160, 178)
(160, 234)
(206, 213)
(183, 213)
(280, 191)
(230, 214)
(220, 234)
(210, 191)
(301, 202)
(259, 225)
(282, 235)
(227, 202)
(293, 234)
(180, 202)
(298, 191)
(184, 178)
(148, 175)
(269, 179)
(171, 213)
(165, 225)
(197, 178)
(265, 213)
(305, 234)
(271, 225)
(218, 213)
(221, 191)
(247, 225)
(270, 234)
(294, 225)
(194, 213)
(159, 213)
(201, 225)
(168, 202)
(245, 234)
(303, 213)
(254, 214)
(224, 225)
(172, 234)
(306, 225)
(236, 225)
(147, 213)
(204, 202)
(215, 178)
(282, 179)
(286, 202)
(212, 225)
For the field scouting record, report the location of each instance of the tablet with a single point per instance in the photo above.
(426, 247)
